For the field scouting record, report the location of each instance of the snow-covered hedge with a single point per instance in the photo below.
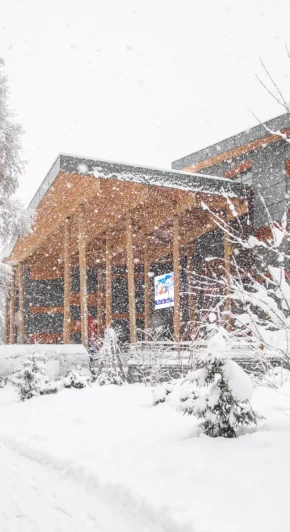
(61, 359)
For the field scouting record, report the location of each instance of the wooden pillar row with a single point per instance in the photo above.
(83, 277)
(99, 304)
(6, 324)
(21, 314)
(176, 272)
(12, 309)
(131, 279)
(108, 281)
(67, 282)
(147, 290)
(191, 295)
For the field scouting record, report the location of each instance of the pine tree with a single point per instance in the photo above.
(219, 391)
(14, 220)
(109, 365)
(31, 379)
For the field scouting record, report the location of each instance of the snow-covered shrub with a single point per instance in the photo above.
(31, 379)
(76, 380)
(219, 392)
(276, 377)
(108, 364)
(256, 284)
(160, 393)
(3, 381)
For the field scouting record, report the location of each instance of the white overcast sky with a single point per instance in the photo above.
(139, 81)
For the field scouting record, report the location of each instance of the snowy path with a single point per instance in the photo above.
(41, 494)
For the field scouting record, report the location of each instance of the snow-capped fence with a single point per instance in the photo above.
(178, 358)
(60, 359)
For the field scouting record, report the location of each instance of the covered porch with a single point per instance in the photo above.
(100, 226)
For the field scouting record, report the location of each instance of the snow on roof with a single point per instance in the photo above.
(239, 139)
(188, 181)
(136, 174)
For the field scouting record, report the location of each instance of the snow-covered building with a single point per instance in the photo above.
(259, 158)
(101, 233)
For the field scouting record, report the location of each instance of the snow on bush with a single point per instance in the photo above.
(222, 398)
(76, 380)
(31, 379)
(160, 393)
(276, 377)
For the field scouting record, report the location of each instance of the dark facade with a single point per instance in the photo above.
(267, 171)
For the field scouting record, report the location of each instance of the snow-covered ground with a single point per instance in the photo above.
(104, 459)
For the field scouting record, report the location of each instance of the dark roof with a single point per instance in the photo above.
(254, 133)
(136, 174)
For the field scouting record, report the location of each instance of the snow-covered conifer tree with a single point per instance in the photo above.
(14, 220)
(31, 379)
(219, 392)
(109, 365)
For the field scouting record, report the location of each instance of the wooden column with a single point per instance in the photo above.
(191, 293)
(12, 309)
(67, 282)
(131, 280)
(83, 276)
(99, 304)
(21, 326)
(6, 324)
(227, 254)
(108, 281)
(147, 291)
(176, 271)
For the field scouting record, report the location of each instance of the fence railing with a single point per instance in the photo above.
(186, 353)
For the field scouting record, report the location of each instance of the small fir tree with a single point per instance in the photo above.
(31, 379)
(108, 359)
(219, 392)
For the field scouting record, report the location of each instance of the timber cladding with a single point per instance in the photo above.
(235, 152)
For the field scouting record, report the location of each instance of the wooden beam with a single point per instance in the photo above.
(191, 295)
(100, 304)
(131, 279)
(46, 310)
(67, 282)
(125, 316)
(21, 326)
(147, 290)
(7, 319)
(12, 308)
(235, 152)
(227, 255)
(176, 271)
(83, 276)
(108, 281)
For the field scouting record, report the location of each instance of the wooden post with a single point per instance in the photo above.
(6, 326)
(227, 254)
(99, 304)
(147, 290)
(67, 282)
(83, 277)
(131, 280)
(12, 308)
(176, 271)
(21, 327)
(191, 294)
(108, 281)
